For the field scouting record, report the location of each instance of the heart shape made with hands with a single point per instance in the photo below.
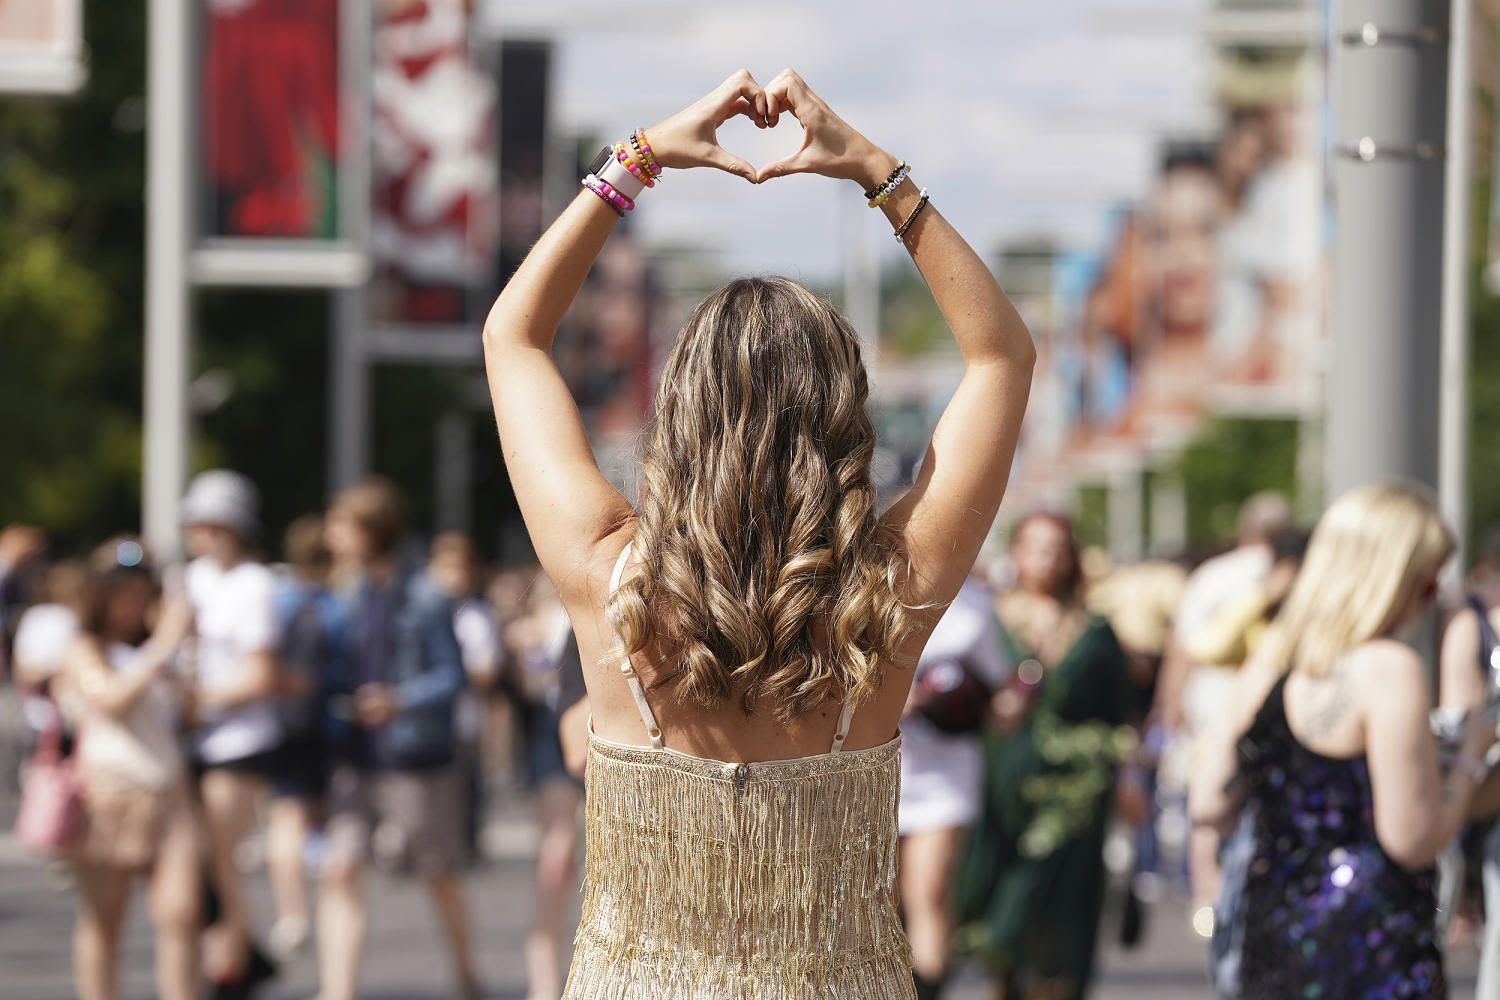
(760, 146)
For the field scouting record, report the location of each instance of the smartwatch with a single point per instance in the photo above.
(608, 168)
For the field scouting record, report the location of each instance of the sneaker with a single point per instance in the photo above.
(288, 936)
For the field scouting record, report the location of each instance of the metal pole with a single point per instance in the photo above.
(168, 335)
(1453, 418)
(862, 289)
(349, 379)
(1390, 81)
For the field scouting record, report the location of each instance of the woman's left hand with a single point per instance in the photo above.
(690, 137)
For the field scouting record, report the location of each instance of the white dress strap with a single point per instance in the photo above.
(846, 716)
(653, 731)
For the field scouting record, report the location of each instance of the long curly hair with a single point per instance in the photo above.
(765, 573)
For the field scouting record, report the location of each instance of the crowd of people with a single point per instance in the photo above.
(355, 701)
(359, 697)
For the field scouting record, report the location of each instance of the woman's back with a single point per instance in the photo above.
(1326, 906)
(768, 879)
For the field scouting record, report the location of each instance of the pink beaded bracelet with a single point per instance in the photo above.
(610, 196)
(622, 153)
(638, 140)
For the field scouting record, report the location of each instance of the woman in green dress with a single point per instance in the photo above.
(1033, 874)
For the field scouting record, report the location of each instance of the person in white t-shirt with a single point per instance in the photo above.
(232, 595)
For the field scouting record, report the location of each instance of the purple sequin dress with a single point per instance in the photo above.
(1328, 915)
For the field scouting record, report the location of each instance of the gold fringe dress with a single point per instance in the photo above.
(710, 880)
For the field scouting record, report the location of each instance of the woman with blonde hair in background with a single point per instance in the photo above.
(1328, 737)
(748, 632)
(140, 816)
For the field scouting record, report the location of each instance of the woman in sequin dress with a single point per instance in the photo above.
(748, 630)
(1327, 739)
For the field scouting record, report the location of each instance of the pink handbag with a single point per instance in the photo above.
(51, 818)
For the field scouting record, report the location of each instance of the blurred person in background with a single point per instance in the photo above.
(1469, 668)
(1326, 734)
(504, 766)
(312, 626)
(941, 765)
(44, 633)
(1189, 694)
(394, 786)
(1032, 884)
(1218, 868)
(23, 550)
(236, 672)
(453, 567)
(129, 708)
(547, 664)
(1139, 601)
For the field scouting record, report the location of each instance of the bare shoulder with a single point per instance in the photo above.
(1387, 671)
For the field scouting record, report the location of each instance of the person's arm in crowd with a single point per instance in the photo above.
(1461, 685)
(115, 692)
(444, 677)
(568, 505)
(1418, 807)
(1212, 798)
(1222, 640)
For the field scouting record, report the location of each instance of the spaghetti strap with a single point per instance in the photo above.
(846, 716)
(653, 731)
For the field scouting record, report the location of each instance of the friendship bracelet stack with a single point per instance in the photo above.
(621, 171)
(881, 193)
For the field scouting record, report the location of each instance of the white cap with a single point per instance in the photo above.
(224, 498)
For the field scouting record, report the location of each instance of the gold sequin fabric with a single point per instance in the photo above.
(764, 881)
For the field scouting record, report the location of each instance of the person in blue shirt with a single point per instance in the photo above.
(392, 745)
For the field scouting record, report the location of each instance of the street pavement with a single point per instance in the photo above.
(405, 959)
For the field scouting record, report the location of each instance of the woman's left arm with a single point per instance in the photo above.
(567, 503)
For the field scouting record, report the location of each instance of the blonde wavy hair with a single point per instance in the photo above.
(1373, 552)
(765, 574)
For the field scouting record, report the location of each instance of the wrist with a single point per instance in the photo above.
(874, 166)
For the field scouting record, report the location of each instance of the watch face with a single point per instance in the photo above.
(605, 155)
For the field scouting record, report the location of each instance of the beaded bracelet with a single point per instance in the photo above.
(921, 204)
(890, 185)
(609, 195)
(638, 141)
(639, 172)
(890, 178)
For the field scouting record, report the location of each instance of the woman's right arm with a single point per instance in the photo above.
(1418, 807)
(114, 692)
(946, 515)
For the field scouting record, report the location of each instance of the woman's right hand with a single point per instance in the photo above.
(690, 138)
(830, 146)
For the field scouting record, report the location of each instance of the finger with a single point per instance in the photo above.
(794, 164)
(784, 95)
(743, 107)
(728, 162)
(743, 85)
(773, 108)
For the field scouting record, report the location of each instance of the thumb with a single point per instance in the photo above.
(794, 164)
(720, 157)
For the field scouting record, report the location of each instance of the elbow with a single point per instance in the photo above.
(1413, 850)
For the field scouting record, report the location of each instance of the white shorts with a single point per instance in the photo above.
(940, 778)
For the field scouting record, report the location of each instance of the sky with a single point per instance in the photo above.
(1021, 117)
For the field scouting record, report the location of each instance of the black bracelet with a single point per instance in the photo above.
(921, 204)
(870, 194)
